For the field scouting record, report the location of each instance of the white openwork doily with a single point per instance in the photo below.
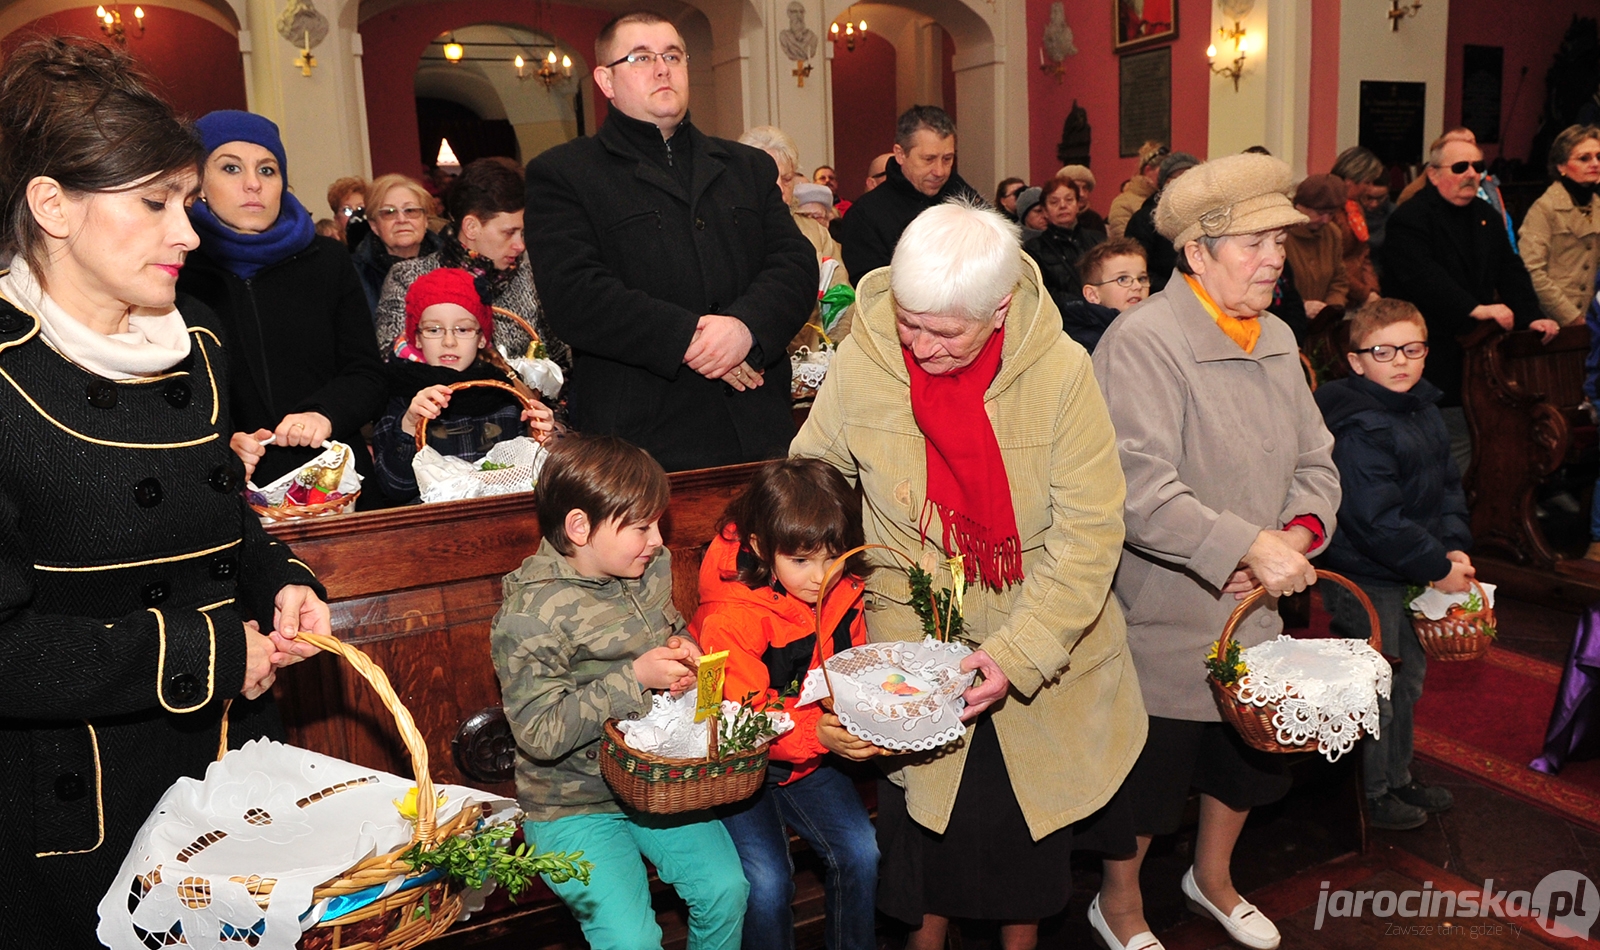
(808, 367)
(900, 695)
(1325, 689)
(231, 861)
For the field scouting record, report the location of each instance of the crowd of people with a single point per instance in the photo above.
(1105, 416)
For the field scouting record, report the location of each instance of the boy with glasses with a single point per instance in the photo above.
(1403, 523)
(1115, 277)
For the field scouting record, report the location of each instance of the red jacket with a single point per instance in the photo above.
(771, 641)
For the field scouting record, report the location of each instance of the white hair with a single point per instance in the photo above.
(775, 142)
(959, 258)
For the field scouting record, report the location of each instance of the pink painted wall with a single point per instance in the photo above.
(195, 62)
(1091, 78)
(393, 43)
(863, 109)
(1530, 33)
(1322, 138)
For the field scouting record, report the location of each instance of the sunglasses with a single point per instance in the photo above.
(1460, 168)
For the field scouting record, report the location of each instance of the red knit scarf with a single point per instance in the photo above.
(967, 482)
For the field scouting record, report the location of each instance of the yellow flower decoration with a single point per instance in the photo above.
(407, 806)
(958, 581)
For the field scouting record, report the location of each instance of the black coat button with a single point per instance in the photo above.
(223, 480)
(182, 687)
(12, 321)
(699, 224)
(102, 393)
(154, 593)
(147, 493)
(70, 787)
(177, 394)
(591, 754)
(223, 567)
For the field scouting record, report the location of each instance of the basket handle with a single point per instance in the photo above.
(409, 734)
(1375, 640)
(526, 400)
(830, 576)
(519, 320)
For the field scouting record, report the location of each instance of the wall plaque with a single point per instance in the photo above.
(1145, 100)
(1392, 120)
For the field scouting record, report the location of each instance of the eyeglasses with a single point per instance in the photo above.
(1460, 168)
(1384, 353)
(389, 213)
(1125, 281)
(436, 332)
(348, 212)
(1013, 192)
(644, 57)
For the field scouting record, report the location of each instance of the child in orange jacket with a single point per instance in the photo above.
(759, 586)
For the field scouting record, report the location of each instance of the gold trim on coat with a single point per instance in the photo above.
(126, 564)
(99, 801)
(161, 663)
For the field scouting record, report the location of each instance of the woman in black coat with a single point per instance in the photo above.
(304, 364)
(141, 603)
(1057, 250)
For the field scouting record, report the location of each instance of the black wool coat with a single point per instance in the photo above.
(872, 227)
(1056, 251)
(1449, 260)
(299, 339)
(1402, 509)
(627, 258)
(128, 565)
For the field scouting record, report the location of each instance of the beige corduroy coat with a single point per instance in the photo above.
(1073, 723)
(1560, 245)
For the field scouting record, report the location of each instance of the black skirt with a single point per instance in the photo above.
(986, 866)
(1209, 757)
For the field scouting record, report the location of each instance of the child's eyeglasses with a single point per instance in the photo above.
(1125, 281)
(1384, 353)
(438, 332)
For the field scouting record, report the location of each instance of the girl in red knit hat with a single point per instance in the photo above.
(448, 329)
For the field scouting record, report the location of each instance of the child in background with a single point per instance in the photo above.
(447, 329)
(1403, 522)
(586, 632)
(759, 586)
(1115, 277)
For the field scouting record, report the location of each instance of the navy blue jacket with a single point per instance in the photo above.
(1402, 506)
(1085, 321)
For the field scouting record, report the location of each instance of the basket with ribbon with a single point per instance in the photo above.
(326, 485)
(1453, 626)
(533, 367)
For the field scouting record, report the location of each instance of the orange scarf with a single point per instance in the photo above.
(1244, 331)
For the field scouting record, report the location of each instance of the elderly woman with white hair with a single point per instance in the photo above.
(975, 428)
(1231, 486)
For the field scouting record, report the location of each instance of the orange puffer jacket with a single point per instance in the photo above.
(770, 636)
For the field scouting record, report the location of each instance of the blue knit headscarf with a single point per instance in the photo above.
(246, 254)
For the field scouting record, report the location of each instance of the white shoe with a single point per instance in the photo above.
(1246, 925)
(1107, 939)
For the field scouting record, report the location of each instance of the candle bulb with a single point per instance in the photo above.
(551, 59)
(1211, 51)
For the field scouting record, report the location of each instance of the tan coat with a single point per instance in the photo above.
(827, 248)
(1124, 205)
(1217, 444)
(1317, 259)
(1560, 246)
(1073, 723)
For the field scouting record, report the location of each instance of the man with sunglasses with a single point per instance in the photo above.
(669, 262)
(1446, 253)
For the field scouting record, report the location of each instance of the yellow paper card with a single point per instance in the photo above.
(709, 683)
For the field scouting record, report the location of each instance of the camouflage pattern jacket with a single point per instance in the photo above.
(564, 647)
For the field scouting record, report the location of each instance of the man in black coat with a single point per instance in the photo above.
(670, 263)
(1447, 253)
(920, 175)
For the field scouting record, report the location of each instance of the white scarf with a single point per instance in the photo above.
(152, 343)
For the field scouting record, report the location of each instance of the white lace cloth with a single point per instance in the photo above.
(267, 812)
(669, 729)
(349, 479)
(1434, 603)
(808, 367)
(901, 695)
(446, 478)
(543, 375)
(1325, 690)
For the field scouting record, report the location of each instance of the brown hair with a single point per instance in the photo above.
(1093, 261)
(344, 188)
(83, 114)
(485, 188)
(1570, 138)
(608, 33)
(1381, 312)
(1056, 184)
(601, 476)
(798, 507)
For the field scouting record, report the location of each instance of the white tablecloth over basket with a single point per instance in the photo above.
(1325, 690)
(901, 695)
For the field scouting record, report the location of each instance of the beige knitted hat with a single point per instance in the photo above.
(1236, 194)
(1078, 173)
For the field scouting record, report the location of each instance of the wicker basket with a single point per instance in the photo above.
(334, 506)
(402, 920)
(527, 400)
(662, 786)
(1460, 635)
(1255, 722)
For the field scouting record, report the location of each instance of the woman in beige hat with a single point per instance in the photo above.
(1231, 485)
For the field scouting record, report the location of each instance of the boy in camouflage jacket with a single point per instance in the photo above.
(586, 631)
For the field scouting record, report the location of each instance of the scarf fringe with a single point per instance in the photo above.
(998, 564)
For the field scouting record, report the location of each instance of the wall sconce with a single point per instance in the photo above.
(1398, 12)
(453, 51)
(550, 75)
(1057, 43)
(851, 28)
(111, 23)
(1241, 46)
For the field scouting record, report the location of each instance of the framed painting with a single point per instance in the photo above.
(1136, 24)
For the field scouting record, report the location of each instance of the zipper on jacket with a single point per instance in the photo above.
(635, 602)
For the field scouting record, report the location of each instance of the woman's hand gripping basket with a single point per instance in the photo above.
(280, 847)
(1454, 626)
(1289, 695)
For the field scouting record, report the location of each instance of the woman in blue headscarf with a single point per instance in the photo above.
(304, 366)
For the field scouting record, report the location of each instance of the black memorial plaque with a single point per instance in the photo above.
(1481, 69)
(1146, 99)
(1392, 120)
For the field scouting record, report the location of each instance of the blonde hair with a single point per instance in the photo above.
(959, 258)
(383, 183)
(775, 142)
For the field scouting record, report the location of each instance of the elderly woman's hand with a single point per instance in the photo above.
(296, 608)
(1277, 563)
(303, 428)
(986, 693)
(838, 740)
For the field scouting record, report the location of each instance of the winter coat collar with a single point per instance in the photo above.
(706, 165)
(1032, 327)
(895, 178)
(721, 589)
(546, 565)
(1343, 399)
(1206, 339)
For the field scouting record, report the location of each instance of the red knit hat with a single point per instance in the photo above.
(446, 285)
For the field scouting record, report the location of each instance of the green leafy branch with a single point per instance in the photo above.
(482, 857)
(940, 620)
(748, 728)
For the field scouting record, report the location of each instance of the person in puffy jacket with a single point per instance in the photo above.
(760, 583)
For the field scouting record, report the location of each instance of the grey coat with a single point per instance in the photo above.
(1216, 445)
